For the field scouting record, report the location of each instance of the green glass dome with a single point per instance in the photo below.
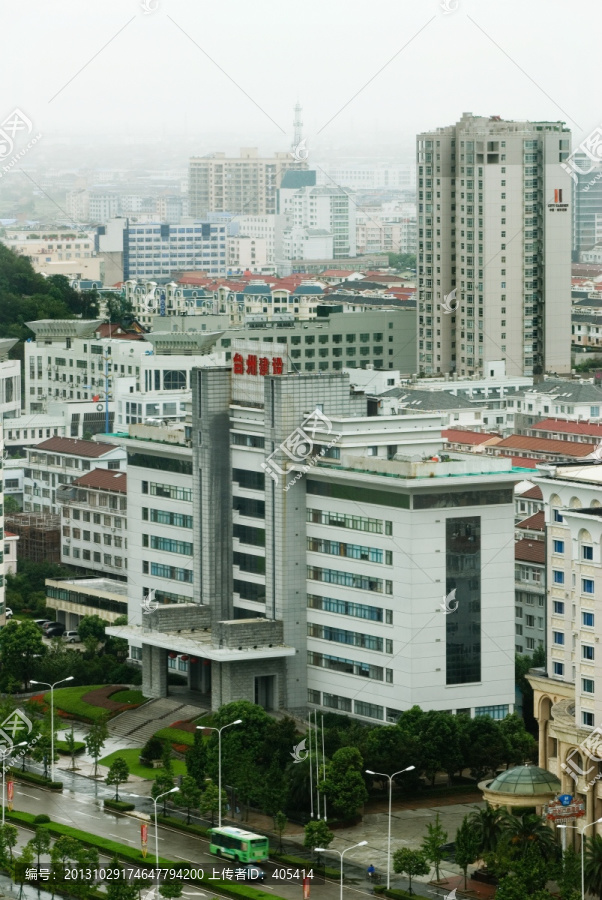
(525, 780)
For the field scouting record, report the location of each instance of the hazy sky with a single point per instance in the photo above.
(233, 70)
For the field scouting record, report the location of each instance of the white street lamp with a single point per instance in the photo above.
(582, 833)
(52, 687)
(5, 754)
(390, 777)
(341, 853)
(219, 761)
(155, 800)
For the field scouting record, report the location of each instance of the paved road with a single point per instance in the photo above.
(86, 813)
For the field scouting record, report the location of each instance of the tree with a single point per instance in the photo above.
(162, 784)
(344, 785)
(10, 505)
(488, 824)
(119, 888)
(431, 844)
(10, 836)
(411, 863)
(166, 758)
(527, 831)
(273, 792)
(483, 746)
(42, 750)
(440, 745)
(569, 875)
(402, 260)
(91, 630)
(40, 842)
(118, 773)
(171, 891)
(593, 865)
(467, 847)
(64, 854)
(196, 759)
(95, 741)
(280, 823)
(189, 795)
(317, 834)
(209, 802)
(522, 746)
(71, 745)
(20, 644)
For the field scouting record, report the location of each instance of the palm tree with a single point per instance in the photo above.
(489, 826)
(593, 865)
(528, 830)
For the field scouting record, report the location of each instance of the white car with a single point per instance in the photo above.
(8, 612)
(71, 637)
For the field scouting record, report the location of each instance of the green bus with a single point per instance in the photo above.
(234, 843)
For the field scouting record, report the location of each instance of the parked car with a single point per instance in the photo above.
(8, 612)
(71, 637)
(54, 629)
(250, 873)
(41, 622)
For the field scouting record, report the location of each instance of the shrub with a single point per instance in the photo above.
(153, 749)
(119, 805)
(42, 819)
(176, 736)
(34, 778)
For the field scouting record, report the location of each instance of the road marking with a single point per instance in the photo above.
(23, 794)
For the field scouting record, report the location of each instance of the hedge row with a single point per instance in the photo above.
(113, 848)
(176, 736)
(394, 893)
(119, 805)
(61, 747)
(34, 778)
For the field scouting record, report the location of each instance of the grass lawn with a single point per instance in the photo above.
(69, 700)
(176, 736)
(128, 697)
(131, 757)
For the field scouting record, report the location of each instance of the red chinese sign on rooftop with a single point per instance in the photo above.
(256, 365)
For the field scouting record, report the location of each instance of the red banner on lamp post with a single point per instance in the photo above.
(306, 888)
(144, 837)
(10, 793)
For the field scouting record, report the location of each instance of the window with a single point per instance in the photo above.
(558, 637)
(530, 621)
(496, 712)
(168, 491)
(587, 652)
(557, 516)
(346, 666)
(346, 608)
(587, 619)
(341, 520)
(346, 579)
(587, 718)
(558, 608)
(340, 636)
(587, 685)
(557, 576)
(558, 668)
(351, 551)
(587, 552)
(370, 710)
(558, 546)
(332, 701)
(530, 643)
(587, 586)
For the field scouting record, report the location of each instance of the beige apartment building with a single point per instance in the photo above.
(246, 185)
(494, 232)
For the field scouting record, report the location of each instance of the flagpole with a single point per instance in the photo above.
(324, 764)
(311, 785)
(317, 762)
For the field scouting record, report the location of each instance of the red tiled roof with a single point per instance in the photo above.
(523, 462)
(564, 427)
(76, 447)
(456, 436)
(534, 493)
(105, 479)
(545, 445)
(536, 522)
(9, 534)
(530, 551)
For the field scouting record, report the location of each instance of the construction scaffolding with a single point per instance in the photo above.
(39, 536)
